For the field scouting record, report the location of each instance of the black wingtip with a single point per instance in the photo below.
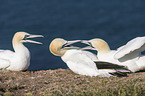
(119, 74)
(107, 65)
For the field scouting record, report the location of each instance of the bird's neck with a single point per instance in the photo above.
(57, 51)
(103, 49)
(18, 47)
(62, 52)
(101, 46)
(103, 52)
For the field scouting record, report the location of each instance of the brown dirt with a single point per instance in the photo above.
(64, 82)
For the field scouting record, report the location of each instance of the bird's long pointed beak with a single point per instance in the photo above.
(31, 41)
(27, 39)
(85, 42)
(88, 47)
(74, 41)
(68, 43)
(35, 36)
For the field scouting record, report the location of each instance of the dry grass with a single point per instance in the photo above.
(66, 83)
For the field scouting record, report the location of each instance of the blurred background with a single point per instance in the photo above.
(115, 21)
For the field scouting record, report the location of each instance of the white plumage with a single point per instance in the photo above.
(132, 49)
(128, 55)
(79, 61)
(20, 58)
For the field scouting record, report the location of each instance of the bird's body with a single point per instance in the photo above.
(107, 56)
(79, 61)
(20, 58)
(15, 60)
(128, 55)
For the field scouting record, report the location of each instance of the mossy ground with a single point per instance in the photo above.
(63, 82)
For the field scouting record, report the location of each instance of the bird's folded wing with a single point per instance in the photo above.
(84, 58)
(107, 65)
(4, 64)
(118, 74)
(111, 72)
(6, 54)
(92, 56)
(82, 68)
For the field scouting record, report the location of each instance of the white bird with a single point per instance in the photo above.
(127, 55)
(20, 58)
(79, 61)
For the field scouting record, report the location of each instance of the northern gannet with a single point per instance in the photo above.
(127, 55)
(79, 61)
(20, 58)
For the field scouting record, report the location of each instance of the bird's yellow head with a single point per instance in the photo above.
(59, 46)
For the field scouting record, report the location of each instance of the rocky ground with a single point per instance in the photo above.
(63, 82)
